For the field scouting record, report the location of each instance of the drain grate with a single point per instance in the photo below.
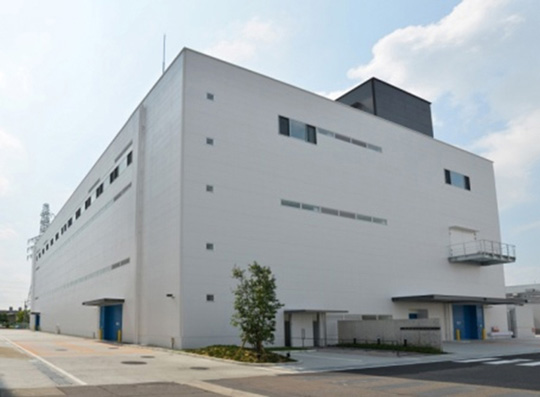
(200, 368)
(134, 362)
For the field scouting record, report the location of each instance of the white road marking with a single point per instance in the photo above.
(476, 360)
(533, 364)
(224, 391)
(51, 365)
(514, 361)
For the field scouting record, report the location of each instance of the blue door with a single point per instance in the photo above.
(110, 322)
(469, 320)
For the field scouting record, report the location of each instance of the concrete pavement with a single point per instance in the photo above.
(48, 363)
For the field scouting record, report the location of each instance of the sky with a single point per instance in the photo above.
(71, 73)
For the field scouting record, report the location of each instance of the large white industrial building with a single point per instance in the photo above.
(359, 211)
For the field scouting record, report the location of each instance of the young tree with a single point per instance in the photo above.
(255, 305)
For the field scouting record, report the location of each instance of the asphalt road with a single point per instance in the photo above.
(514, 372)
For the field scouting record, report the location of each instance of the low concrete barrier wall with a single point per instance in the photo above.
(419, 332)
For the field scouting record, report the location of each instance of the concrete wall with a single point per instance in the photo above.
(320, 261)
(522, 321)
(420, 332)
(166, 217)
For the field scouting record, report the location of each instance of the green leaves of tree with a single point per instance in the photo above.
(255, 305)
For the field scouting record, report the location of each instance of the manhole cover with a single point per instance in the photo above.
(134, 362)
(200, 368)
(147, 356)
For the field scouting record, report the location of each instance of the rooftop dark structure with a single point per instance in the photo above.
(391, 103)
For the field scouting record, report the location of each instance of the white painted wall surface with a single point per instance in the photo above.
(320, 261)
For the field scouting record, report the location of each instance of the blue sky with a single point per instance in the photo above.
(71, 72)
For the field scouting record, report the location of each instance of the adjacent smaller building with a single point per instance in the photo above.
(524, 321)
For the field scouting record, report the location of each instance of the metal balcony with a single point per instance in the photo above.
(482, 252)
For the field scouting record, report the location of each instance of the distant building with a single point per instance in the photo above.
(357, 209)
(525, 319)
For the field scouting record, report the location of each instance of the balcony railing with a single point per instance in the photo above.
(482, 252)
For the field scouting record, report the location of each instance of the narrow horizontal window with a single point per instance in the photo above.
(348, 139)
(343, 138)
(310, 207)
(374, 147)
(288, 203)
(329, 211)
(209, 188)
(347, 214)
(326, 132)
(335, 212)
(379, 221)
(359, 143)
(365, 218)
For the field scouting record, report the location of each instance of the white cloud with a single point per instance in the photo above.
(247, 40)
(7, 233)
(516, 150)
(483, 59)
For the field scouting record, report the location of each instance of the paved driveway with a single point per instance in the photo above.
(45, 364)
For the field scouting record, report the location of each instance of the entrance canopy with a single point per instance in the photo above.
(459, 299)
(104, 302)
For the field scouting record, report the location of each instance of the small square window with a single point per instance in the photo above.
(88, 203)
(57, 236)
(77, 213)
(52, 242)
(210, 246)
(209, 96)
(70, 222)
(209, 141)
(210, 297)
(209, 188)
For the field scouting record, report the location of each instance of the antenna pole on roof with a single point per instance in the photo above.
(163, 64)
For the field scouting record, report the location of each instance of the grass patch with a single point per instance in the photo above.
(245, 355)
(395, 348)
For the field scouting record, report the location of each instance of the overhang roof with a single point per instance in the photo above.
(473, 300)
(104, 302)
